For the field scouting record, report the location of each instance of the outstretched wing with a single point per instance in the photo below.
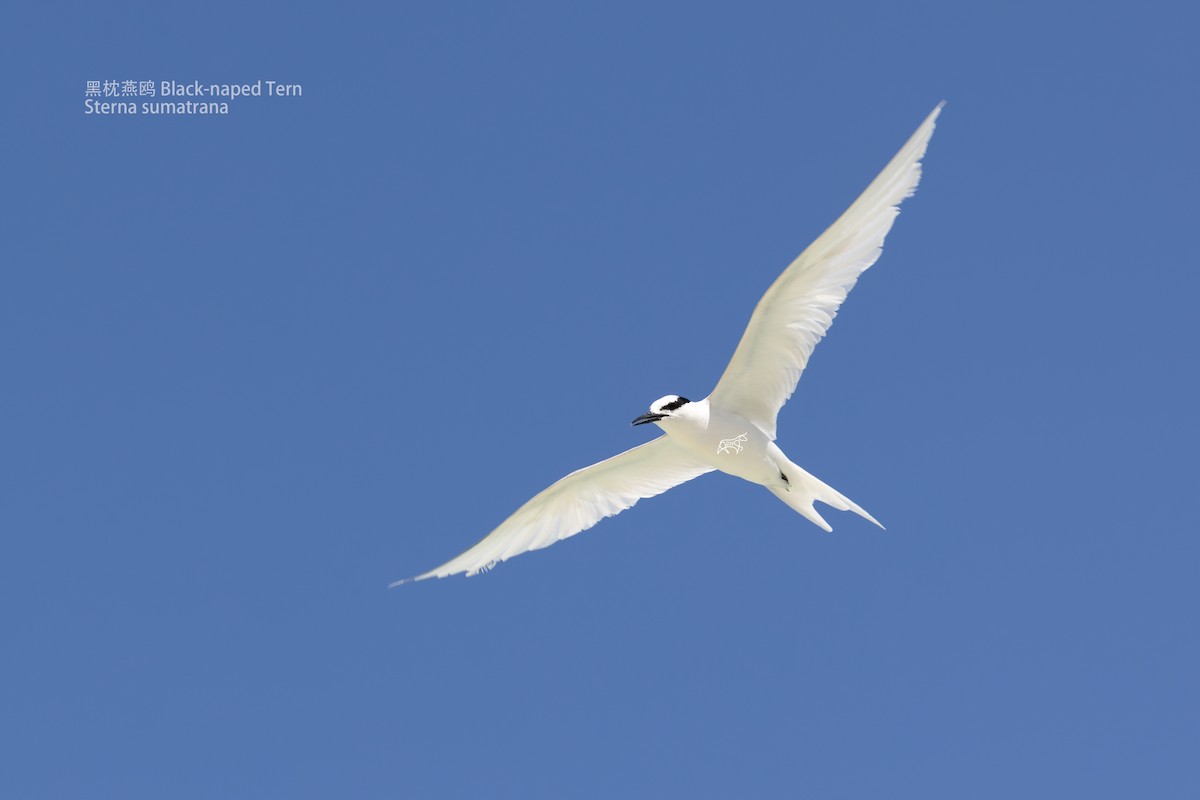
(800, 306)
(577, 502)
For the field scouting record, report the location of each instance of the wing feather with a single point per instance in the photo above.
(577, 502)
(798, 309)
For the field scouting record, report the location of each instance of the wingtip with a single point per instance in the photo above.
(927, 127)
(925, 130)
(413, 579)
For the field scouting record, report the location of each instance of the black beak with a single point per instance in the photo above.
(644, 418)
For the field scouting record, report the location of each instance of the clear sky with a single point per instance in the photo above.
(258, 365)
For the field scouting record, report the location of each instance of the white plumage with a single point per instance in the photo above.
(577, 502)
(800, 306)
(732, 430)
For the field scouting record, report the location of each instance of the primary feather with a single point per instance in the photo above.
(800, 306)
(577, 502)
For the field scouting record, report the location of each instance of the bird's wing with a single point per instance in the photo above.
(577, 502)
(800, 306)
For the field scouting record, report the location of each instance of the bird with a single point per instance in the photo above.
(733, 430)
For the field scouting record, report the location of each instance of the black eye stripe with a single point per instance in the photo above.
(674, 404)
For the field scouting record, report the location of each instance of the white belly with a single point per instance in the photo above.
(732, 444)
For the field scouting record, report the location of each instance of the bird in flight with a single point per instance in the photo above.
(733, 429)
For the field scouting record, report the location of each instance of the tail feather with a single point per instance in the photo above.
(803, 489)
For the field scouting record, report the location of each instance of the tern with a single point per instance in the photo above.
(733, 429)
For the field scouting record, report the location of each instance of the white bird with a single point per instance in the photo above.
(733, 429)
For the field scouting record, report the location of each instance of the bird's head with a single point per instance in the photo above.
(662, 408)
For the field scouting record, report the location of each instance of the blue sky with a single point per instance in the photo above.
(258, 366)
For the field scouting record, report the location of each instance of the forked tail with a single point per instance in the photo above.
(804, 488)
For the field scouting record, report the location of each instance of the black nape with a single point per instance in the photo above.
(674, 404)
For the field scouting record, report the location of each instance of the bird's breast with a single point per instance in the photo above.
(730, 443)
